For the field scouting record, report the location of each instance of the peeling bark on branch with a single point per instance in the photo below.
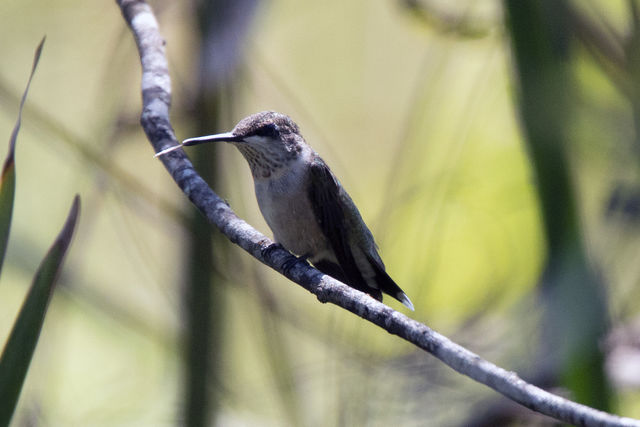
(156, 95)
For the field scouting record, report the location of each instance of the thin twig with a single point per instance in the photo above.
(156, 94)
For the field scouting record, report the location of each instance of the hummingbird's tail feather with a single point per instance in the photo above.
(387, 285)
(334, 270)
(383, 281)
(404, 299)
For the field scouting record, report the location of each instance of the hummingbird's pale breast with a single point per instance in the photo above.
(286, 208)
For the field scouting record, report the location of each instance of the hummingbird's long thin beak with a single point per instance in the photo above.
(167, 150)
(227, 136)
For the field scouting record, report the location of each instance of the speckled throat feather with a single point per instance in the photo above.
(264, 162)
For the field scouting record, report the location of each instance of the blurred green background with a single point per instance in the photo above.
(492, 147)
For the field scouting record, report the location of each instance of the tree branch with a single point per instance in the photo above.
(156, 95)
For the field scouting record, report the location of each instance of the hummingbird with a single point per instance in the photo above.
(308, 210)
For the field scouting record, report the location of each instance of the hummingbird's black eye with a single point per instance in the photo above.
(269, 130)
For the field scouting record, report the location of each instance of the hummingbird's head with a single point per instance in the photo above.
(269, 141)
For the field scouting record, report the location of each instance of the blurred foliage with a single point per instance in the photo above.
(21, 343)
(413, 104)
(571, 290)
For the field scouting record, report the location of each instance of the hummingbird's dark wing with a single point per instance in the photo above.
(324, 194)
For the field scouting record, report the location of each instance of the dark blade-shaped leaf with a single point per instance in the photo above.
(8, 183)
(7, 190)
(19, 348)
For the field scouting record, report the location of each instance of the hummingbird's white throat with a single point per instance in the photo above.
(267, 157)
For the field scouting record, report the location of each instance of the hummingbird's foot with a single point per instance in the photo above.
(266, 252)
(291, 262)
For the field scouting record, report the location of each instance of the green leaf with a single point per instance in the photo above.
(7, 191)
(8, 178)
(22, 341)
